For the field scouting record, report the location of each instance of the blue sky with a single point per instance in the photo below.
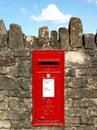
(32, 14)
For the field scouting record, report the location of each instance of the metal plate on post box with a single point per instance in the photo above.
(48, 87)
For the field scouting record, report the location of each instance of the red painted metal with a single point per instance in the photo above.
(48, 87)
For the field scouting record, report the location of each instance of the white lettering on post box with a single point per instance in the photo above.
(48, 88)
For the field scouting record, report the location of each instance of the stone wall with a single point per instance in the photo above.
(16, 107)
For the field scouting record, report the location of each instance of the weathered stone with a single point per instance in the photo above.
(78, 57)
(81, 127)
(74, 112)
(22, 68)
(80, 72)
(30, 41)
(10, 84)
(76, 82)
(86, 120)
(3, 106)
(5, 124)
(44, 128)
(80, 93)
(15, 37)
(18, 124)
(91, 72)
(82, 103)
(2, 28)
(15, 103)
(1, 83)
(18, 115)
(15, 71)
(26, 70)
(89, 41)
(54, 39)
(70, 72)
(43, 38)
(4, 70)
(3, 115)
(2, 95)
(9, 61)
(22, 53)
(68, 102)
(3, 40)
(19, 94)
(92, 111)
(72, 121)
(64, 38)
(95, 121)
(94, 100)
(27, 102)
(5, 53)
(96, 38)
(3, 34)
(76, 32)
(24, 83)
(74, 128)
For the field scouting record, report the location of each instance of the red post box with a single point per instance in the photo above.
(48, 87)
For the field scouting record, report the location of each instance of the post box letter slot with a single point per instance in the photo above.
(48, 63)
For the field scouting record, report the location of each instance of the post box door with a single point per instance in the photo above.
(48, 108)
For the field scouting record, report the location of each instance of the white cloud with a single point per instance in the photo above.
(92, 1)
(23, 10)
(52, 15)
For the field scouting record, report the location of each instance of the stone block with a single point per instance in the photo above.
(72, 121)
(91, 72)
(19, 124)
(64, 38)
(21, 53)
(88, 93)
(26, 69)
(74, 112)
(3, 40)
(30, 41)
(15, 103)
(18, 115)
(86, 120)
(1, 84)
(8, 61)
(2, 28)
(80, 82)
(15, 37)
(19, 94)
(22, 68)
(25, 83)
(5, 124)
(76, 32)
(16, 70)
(3, 106)
(92, 111)
(70, 72)
(81, 127)
(10, 84)
(43, 37)
(4, 70)
(78, 57)
(96, 38)
(3, 34)
(54, 39)
(89, 41)
(5, 53)
(95, 121)
(2, 95)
